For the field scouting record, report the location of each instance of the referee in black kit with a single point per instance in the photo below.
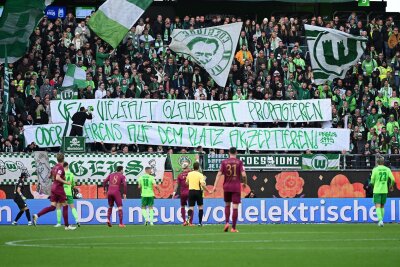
(78, 120)
(19, 199)
(195, 180)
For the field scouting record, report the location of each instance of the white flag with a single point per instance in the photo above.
(332, 52)
(212, 48)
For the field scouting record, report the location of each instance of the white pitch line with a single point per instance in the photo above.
(190, 242)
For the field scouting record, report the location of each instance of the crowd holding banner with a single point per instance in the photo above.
(272, 139)
(173, 111)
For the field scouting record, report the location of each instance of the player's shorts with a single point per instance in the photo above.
(195, 196)
(20, 202)
(380, 199)
(70, 200)
(184, 200)
(233, 197)
(58, 197)
(147, 201)
(114, 197)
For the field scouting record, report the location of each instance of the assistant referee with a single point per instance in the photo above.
(196, 182)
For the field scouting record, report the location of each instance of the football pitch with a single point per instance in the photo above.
(167, 245)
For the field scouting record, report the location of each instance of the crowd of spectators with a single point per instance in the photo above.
(271, 63)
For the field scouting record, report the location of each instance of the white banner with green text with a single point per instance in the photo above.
(87, 168)
(265, 139)
(173, 111)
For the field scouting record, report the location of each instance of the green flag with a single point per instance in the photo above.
(321, 162)
(363, 2)
(74, 76)
(332, 52)
(115, 18)
(17, 22)
(178, 159)
(67, 93)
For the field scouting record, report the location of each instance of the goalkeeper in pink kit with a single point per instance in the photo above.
(112, 187)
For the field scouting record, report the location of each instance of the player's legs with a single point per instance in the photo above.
(228, 201)
(380, 201)
(46, 210)
(200, 215)
(121, 217)
(192, 202)
(144, 210)
(235, 204)
(59, 215)
(22, 208)
(377, 201)
(65, 214)
(74, 212)
(17, 217)
(150, 204)
(118, 202)
(110, 207)
(200, 206)
(28, 215)
(184, 200)
(151, 215)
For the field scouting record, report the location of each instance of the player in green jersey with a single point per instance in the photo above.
(379, 179)
(146, 185)
(69, 177)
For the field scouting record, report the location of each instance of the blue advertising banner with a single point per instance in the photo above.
(256, 210)
(54, 12)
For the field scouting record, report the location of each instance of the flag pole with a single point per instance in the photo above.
(6, 94)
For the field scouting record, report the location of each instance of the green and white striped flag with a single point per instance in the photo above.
(115, 18)
(332, 52)
(321, 162)
(17, 23)
(74, 76)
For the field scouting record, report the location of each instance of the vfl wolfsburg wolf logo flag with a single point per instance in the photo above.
(321, 162)
(212, 48)
(332, 52)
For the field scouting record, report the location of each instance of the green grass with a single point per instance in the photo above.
(256, 245)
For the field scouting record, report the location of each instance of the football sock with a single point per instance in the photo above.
(121, 216)
(379, 214)
(58, 211)
(75, 214)
(227, 213)
(144, 214)
(65, 215)
(19, 215)
(109, 211)
(383, 213)
(151, 211)
(28, 215)
(200, 216)
(46, 210)
(183, 214)
(234, 218)
(190, 215)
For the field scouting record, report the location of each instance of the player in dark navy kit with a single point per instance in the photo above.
(231, 169)
(19, 199)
